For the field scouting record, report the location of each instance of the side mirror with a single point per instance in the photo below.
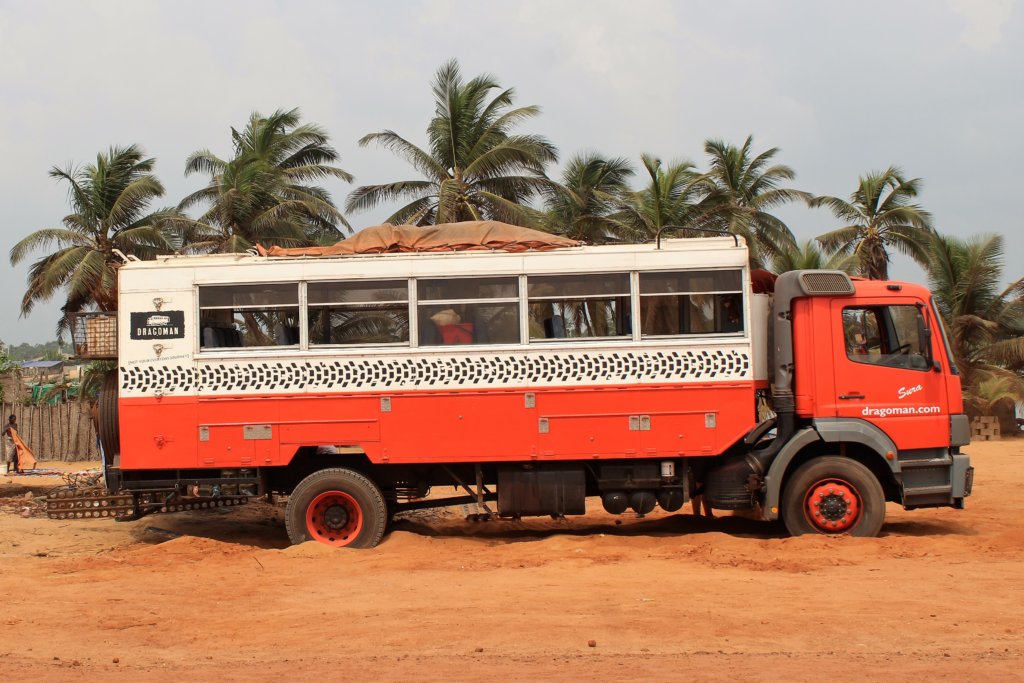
(924, 335)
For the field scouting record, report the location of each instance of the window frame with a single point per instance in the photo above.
(628, 296)
(887, 326)
(415, 308)
(742, 292)
(299, 307)
(309, 345)
(632, 296)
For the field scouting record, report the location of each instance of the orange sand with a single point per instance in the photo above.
(670, 597)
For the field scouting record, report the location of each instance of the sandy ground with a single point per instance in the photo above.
(669, 597)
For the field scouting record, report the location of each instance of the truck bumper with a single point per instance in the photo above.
(962, 477)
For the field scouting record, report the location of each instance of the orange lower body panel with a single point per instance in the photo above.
(640, 421)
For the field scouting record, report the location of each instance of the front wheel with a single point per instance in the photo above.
(337, 507)
(833, 495)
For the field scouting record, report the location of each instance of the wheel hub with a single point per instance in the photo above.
(833, 506)
(334, 518)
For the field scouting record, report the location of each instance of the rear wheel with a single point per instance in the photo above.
(109, 432)
(105, 419)
(833, 495)
(337, 507)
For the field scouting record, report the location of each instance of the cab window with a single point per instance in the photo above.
(884, 335)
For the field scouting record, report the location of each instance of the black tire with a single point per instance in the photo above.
(843, 482)
(390, 518)
(345, 493)
(109, 430)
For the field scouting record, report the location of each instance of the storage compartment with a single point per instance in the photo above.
(554, 491)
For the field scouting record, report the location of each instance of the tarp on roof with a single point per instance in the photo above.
(464, 236)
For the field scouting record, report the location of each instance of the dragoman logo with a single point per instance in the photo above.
(907, 391)
(901, 410)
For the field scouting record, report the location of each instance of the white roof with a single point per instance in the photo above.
(691, 253)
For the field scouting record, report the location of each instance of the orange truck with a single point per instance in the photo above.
(532, 380)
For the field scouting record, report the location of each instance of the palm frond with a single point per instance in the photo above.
(204, 161)
(369, 196)
(420, 160)
(41, 239)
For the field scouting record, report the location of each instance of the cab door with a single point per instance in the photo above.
(884, 370)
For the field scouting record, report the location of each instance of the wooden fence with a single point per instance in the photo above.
(56, 432)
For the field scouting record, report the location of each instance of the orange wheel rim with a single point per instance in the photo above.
(833, 506)
(334, 518)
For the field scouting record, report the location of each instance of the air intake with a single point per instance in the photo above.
(824, 282)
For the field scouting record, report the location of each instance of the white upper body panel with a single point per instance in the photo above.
(158, 358)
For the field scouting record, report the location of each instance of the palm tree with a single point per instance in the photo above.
(582, 206)
(263, 193)
(474, 168)
(879, 217)
(743, 189)
(994, 392)
(674, 197)
(985, 322)
(808, 255)
(110, 201)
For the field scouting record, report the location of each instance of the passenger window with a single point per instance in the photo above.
(468, 311)
(365, 312)
(884, 335)
(584, 306)
(248, 315)
(691, 302)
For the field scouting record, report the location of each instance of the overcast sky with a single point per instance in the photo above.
(841, 87)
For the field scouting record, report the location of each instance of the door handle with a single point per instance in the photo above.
(847, 397)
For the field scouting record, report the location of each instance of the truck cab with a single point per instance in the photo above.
(869, 407)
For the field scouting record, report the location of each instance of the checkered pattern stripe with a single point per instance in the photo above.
(441, 371)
